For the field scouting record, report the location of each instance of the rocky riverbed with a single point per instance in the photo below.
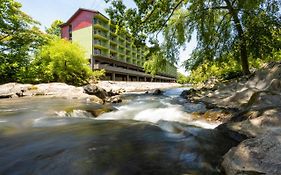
(250, 108)
(103, 91)
(135, 86)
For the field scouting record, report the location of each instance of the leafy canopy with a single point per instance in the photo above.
(242, 28)
(182, 79)
(55, 28)
(19, 36)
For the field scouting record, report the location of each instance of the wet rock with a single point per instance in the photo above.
(213, 115)
(157, 92)
(95, 90)
(120, 91)
(114, 99)
(229, 132)
(261, 155)
(6, 95)
(99, 111)
(21, 93)
(192, 107)
(95, 99)
(112, 93)
(185, 93)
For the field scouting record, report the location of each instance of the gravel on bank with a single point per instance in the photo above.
(135, 86)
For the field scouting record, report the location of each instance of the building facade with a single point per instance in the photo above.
(117, 54)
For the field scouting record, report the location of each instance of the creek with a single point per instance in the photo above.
(145, 135)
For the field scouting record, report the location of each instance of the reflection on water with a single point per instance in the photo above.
(57, 136)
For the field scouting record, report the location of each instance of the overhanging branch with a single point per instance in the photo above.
(173, 11)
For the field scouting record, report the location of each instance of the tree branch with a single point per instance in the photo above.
(3, 37)
(173, 11)
(148, 16)
(216, 8)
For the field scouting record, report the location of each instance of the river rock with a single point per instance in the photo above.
(114, 99)
(97, 112)
(6, 95)
(95, 90)
(157, 92)
(61, 90)
(185, 93)
(261, 155)
(192, 107)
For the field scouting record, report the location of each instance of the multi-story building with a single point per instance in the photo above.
(117, 54)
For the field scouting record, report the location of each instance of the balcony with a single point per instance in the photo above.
(113, 49)
(100, 35)
(121, 52)
(107, 67)
(121, 46)
(101, 46)
(100, 26)
(113, 41)
(113, 56)
(100, 54)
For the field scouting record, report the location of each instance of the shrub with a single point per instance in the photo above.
(61, 61)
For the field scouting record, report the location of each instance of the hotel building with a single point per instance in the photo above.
(117, 54)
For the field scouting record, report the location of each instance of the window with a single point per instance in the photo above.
(95, 20)
(97, 51)
(96, 41)
(70, 32)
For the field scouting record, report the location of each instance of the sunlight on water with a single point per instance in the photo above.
(169, 107)
(75, 114)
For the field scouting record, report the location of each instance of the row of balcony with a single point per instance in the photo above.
(126, 59)
(102, 36)
(101, 45)
(114, 39)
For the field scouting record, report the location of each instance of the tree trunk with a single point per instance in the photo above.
(242, 44)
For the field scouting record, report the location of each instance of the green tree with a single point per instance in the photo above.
(222, 26)
(182, 79)
(55, 28)
(61, 61)
(19, 36)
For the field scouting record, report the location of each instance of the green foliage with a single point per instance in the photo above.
(55, 28)
(244, 28)
(155, 64)
(97, 75)
(227, 69)
(61, 61)
(156, 61)
(182, 79)
(19, 36)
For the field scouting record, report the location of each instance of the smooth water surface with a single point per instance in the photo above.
(146, 135)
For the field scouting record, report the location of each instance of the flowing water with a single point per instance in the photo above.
(146, 135)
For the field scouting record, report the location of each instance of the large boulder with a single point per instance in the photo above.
(261, 155)
(95, 90)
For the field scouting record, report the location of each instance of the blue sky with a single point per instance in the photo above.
(46, 11)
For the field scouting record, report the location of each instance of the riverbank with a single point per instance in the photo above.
(135, 86)
(250, 107)
(103, 91)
